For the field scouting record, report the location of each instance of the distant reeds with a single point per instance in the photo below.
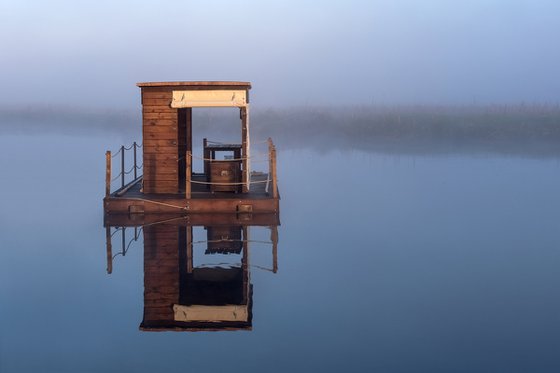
(511, 129)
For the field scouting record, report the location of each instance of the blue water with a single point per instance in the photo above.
(388, 263)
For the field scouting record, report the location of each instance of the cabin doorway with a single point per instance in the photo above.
(221, 127)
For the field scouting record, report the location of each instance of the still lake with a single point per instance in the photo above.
(387, 262)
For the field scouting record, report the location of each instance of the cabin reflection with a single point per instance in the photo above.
(184, 288)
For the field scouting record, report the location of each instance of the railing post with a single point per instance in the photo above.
(107, 173)
(109, 250)
(206, 156)
(123, 241)
(134, 147)
(273, 170)
(274, 239)
(188, 175)
(122, 166)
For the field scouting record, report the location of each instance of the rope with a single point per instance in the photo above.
(116, 177)
(160, 203)
(117, 230)
(210, 183)
(117, 153)
(232, 265)
(230, 240)
(129, 171)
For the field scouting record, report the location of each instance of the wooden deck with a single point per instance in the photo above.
(134, 201)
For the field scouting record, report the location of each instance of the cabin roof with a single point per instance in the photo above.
(199, 84)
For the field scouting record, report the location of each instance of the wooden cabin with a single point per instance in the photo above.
(168, 182)
(181, 295)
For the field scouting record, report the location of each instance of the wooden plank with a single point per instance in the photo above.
(166, 101)
(207, 98)
(155, 142)
(160, 129)
(160, 122)
(211, 313)
(165, 135)
(162, 190)
(166, 184)
(158, 109)
(168, 165)
(159, 157)
(150, 116)
(157, 94)
(198, 83)
(151, 149)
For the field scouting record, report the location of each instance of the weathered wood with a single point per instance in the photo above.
(168, 185)
(158, 115)
(107, 173)
(205, 219)
(244, 148)
(109, 250)
(274, 239)
(159, 149)
(155, 142)
(160, 122)
(188, 175)
(189, 249)
(156, 101)
(273, 176)
(211, 313)
(195, 84)
(161, 109)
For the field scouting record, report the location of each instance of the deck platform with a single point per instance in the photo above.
(131, 200)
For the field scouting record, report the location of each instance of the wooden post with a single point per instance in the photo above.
(109, 250)
(123, 241)
(245, 262)
(189, 249)
(273, 170)
(108, 173)
(274, 239)
(122, 166)
(188, 175)
(244, 148)
(206, 156)
(134, 147)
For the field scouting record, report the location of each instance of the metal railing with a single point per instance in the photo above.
(122, 175)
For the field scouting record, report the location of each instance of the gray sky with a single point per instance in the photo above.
(91, 53)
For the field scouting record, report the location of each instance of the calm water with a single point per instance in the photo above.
(386, 263)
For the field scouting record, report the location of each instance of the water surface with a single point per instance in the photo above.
(386, 262)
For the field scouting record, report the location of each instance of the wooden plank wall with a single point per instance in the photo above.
(161, 272)
(160, 138)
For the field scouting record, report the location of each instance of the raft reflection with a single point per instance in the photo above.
(183, 289)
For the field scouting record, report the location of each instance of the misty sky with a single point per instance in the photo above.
(91, 53)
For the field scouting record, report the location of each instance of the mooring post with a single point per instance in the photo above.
(122, 166)
(188, 175)
(134, 147)
(107, 173)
